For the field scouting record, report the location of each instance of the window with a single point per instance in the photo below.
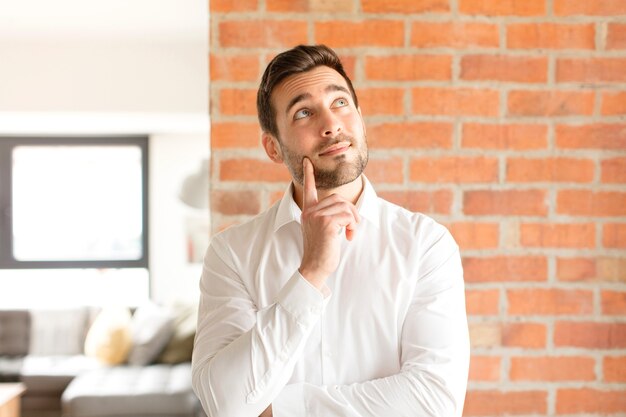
(74, 202)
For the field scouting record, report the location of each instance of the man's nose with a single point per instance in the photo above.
(330, 125)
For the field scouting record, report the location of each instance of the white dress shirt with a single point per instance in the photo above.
(389, 339)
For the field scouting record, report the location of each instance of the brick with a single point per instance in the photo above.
(614, 368)
(455, 102)
(504, 136)
(550, 36)
(591, 203)
(484, 368)
(575, 269)
(439, 202)
(253, 170)
(539, 301)
(505, 269)
(613, 302)
(229, 6)
(234, 68)
(370, 33)
(454, 169)
(551, 368)
(387, 170)
(482, 302)
(579, 235)
(410, 135)
(589, 400)
(550, 103)
(600, 269)
(590, 335)
(504, 68)
(613, 103)
(409, 67)
(454, 34)
(614, 235)
(238, 102)
(405, 6)
(613, 170)
(503, 7)
(616, 36)
(594, 8)
(475, 235)
(262, 33)
(235, 135)
(223, 224)
(524, 335)
(550, 170)
(275, 196)
(499, 403)
(506, 202)
(603, 136)
(590, 70)
(235, 202)
(485, 335)
(381, 101)
(304, 6)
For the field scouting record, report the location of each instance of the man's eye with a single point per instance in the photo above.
(300, 114)
(340, 102)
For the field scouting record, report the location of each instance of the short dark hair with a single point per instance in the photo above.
(297, 60)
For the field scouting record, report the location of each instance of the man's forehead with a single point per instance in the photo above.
(318, 78)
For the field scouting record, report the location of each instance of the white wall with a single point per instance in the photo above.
(95, 67)
(173, 225)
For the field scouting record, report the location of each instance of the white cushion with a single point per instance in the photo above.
(152, 327)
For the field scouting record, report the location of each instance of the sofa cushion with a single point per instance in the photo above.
(51, 374)
(14, 332)
(152, 327)
(10, 368)
(58, 332)
(155, 390)
(109, 338)
(180, 345)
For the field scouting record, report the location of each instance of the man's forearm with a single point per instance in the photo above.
(243, 376)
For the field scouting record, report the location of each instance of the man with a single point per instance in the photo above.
(333, 302)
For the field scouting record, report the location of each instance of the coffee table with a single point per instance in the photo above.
(10, 399)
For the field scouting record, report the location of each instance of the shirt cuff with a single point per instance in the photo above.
(290, 402)
(301, 299)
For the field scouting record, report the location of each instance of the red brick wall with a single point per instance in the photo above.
(503, 119)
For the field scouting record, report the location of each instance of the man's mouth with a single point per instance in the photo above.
(336, 149)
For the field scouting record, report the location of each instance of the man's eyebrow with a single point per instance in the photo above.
(297, 99)
(304, 96)
(336, 87)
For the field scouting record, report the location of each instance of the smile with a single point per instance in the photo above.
(336, 149)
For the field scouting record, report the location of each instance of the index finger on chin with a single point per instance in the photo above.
(310, 191)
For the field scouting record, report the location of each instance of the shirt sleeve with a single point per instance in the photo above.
(435, 355)
(244, 356)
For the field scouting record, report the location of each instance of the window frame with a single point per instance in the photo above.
(8, 143)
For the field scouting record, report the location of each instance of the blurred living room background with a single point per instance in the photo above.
(104, 192)
(93, 69)
(505, 120)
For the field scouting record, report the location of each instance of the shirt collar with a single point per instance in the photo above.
(367, 205)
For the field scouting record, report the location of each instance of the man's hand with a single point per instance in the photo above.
(322, 223)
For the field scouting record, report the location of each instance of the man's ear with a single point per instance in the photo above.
(272, 147)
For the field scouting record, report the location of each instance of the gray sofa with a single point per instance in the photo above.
(45, 351)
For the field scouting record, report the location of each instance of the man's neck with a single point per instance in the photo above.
(350, 191)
